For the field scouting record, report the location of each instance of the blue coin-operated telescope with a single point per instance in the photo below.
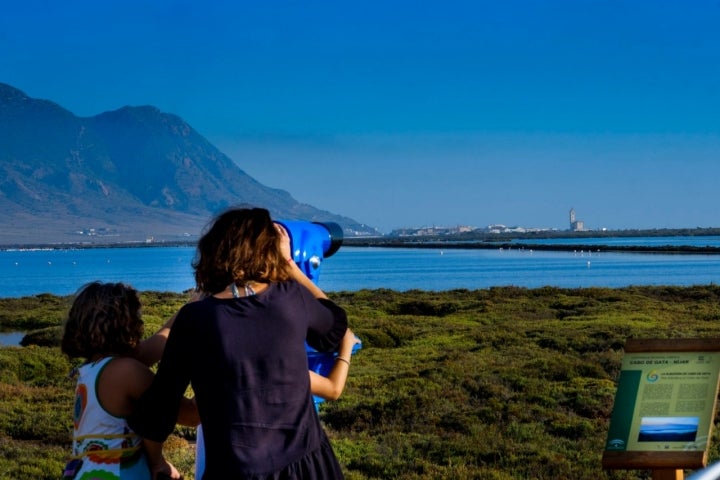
(310, 244)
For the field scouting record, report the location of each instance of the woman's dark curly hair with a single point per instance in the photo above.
(104, 320)
(241, 245)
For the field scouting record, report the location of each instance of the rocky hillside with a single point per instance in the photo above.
(121, 176)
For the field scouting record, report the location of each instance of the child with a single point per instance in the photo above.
(104, 327)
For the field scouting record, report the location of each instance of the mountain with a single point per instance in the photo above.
(120, 176)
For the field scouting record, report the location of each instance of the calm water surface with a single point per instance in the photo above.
(698, 241)
(62, 272)
(11, 338)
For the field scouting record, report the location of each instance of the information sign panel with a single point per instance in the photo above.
(664, 405)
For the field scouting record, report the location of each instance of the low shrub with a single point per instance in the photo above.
(503, 383)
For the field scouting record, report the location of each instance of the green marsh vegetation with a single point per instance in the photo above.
(501, 383)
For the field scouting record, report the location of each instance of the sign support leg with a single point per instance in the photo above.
(667, 474)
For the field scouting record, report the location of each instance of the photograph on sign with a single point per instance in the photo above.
(668, 429)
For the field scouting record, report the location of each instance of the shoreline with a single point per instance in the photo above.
(670, 249)
(415, 243)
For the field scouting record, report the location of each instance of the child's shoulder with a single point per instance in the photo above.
(122, 382)
(119, 364)
(125, 377)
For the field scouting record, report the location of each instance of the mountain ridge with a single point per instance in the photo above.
(134, 173)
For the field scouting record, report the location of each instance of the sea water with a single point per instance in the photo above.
(64, 271)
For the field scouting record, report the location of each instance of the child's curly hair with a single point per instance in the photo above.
(104, 320)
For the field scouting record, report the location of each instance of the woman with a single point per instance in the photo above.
(242, 348)
(326, 386)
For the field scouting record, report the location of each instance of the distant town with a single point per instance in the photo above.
(576, 228)
(575, 225)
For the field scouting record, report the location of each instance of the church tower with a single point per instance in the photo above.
(575, 225)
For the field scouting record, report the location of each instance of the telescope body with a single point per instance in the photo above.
(311, 243)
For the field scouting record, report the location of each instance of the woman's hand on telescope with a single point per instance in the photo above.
(284, 242)
(296, 272)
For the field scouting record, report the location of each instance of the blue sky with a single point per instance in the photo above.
(413, 113)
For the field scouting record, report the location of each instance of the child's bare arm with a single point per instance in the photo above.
(188, 414)
(332, 386)
(159, 467)
(150, 350)
(125, 380)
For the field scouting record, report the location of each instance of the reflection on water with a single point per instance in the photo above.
(11, 338)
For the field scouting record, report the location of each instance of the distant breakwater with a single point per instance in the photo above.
(667, 249)
(396, 242)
